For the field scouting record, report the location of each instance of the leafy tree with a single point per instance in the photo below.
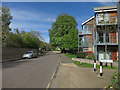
(6, 20)
(24, 39)
(64, 32)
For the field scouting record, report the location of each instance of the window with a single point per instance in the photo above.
(85, 27)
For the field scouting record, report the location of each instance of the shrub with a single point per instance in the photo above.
(88, 52)
(90, 56)
(80, 55)
(114, 81)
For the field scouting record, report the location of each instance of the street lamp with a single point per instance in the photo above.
(118, 17)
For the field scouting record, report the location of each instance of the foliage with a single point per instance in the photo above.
(114, 81)
(64, 33)
(90, 56)
(6, 20)
(24, 39)
(80, 55)
(70, 55)
(53, 48)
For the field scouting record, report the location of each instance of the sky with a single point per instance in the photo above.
(39, 16)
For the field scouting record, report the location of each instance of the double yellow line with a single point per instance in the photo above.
(52, 76)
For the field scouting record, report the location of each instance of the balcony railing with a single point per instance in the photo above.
(111, 20)
(85, 44)
(107, 39)
(85, 32)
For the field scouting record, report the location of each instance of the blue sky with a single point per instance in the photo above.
(39, 16)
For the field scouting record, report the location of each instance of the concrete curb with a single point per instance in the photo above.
(10, 60)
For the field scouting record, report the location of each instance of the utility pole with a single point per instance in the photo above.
(78, 40)
(118, 17)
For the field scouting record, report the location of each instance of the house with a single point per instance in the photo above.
(100, 33)
(87, 35)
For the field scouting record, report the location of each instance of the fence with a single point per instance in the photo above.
(14, 53)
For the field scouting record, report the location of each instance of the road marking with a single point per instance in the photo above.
(53, 75)
(48, 85)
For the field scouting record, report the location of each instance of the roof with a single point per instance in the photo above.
(88, 20)
(105, 8)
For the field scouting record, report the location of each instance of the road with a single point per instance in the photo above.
(29, 73)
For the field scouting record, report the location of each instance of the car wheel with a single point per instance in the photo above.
(30, 57)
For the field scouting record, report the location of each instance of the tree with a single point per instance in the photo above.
(6, 20)
(24, 39)
(64, 33)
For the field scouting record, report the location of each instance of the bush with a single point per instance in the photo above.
(114, 81)
(88, 52)
(90, 56)
(80, 55)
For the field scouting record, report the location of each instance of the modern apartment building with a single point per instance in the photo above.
(104, 33)
(87, 35)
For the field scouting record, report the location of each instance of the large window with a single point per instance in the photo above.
(102, 18)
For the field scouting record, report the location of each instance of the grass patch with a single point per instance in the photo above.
(86, 64)
(91, 65)
(70, 55)
(116, 61)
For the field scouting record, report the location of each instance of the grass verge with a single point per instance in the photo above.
(70, 55)
(86, 64)
(91, 65)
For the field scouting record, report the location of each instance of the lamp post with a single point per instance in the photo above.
(118, 17)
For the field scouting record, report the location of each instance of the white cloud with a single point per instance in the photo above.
(31, 16)
(50, 19)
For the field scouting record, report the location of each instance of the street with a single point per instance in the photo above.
(29, 73)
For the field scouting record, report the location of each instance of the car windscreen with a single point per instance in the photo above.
(28, 52)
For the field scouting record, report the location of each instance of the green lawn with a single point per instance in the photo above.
(86, 64)
(91, 65)
(70, 55)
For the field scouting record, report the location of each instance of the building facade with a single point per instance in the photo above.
(87, 35)
(104, 33)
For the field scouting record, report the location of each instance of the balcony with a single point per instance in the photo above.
(112, 40)
(107, 20)
(85, 44)
(85, 32)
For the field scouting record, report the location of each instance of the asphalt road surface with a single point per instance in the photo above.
(29, 73)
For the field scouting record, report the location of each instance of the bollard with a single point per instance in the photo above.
(111, 65)
(94, 65)
(101, 73)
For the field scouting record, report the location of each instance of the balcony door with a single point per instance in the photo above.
(113, 37)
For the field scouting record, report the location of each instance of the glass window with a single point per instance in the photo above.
(85, 27)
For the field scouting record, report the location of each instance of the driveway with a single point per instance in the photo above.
(29, 73)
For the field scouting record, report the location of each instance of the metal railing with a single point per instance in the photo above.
(85, 44)
(84, 32)
(107, 39)
(110, 20)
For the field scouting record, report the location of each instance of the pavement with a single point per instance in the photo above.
(29, 73)
(71, 76)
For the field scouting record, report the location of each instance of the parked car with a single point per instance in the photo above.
(30, 54)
